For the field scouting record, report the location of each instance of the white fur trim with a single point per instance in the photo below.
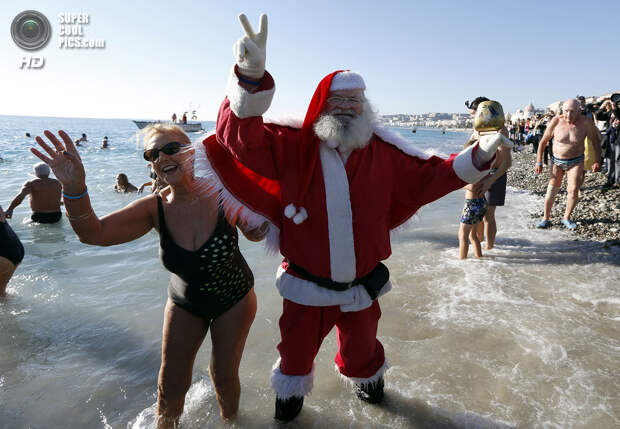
(399, 229)
(347, 80)
(382, 132)
(210, 184)
(464, 167)
(339, 216)
(207, 182)
(292, 121)
(354, 380)
(305, 292)
(290, 210)
(301, 216)
(286, 386)
(402, 143)
(332, 144)
(243, 103)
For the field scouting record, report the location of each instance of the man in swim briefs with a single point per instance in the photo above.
(44, 194)
(568, 131)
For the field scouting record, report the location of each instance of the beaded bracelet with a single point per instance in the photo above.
(75, 197)
(539, 163)
(80, 217)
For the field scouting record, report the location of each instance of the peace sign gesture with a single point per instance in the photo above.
(250, 50)
(64, 160)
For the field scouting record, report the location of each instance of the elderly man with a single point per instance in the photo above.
(331, 191)
(568, 131)
(44, 196)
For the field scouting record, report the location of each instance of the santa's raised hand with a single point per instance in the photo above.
(64, 160)
(250, 50)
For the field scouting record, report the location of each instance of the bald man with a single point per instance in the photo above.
(44, 194)
(568, 131)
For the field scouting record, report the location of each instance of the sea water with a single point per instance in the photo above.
(526, 337)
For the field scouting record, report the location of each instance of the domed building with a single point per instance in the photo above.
(529, 112)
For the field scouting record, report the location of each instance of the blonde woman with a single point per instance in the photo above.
(211, 287)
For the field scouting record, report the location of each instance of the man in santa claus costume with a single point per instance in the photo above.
(330, 190)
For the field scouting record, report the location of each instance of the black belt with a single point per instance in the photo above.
(372, 282)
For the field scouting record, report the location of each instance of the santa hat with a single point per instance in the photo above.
(347, 80)
(309, 145)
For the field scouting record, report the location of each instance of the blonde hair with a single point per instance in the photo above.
(144, 136)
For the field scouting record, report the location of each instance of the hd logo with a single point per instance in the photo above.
(31, 31)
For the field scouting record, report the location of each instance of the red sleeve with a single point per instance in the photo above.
(420, 181)
(257, 145)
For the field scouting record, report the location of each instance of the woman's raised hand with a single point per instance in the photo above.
(64, 160)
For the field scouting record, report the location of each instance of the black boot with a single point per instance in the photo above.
(371, 392)
(287, 409)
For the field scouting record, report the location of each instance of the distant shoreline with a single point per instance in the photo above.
(463, 130)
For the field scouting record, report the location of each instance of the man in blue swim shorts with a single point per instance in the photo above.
(568, 131)
(475, 208)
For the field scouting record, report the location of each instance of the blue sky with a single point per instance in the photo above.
(415, 56)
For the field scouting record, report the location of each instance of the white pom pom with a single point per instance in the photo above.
(290, 210)
(301, 216)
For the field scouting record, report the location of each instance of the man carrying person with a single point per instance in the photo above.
(569, 132)
(44, 196)
(331, 191)
(493, 185)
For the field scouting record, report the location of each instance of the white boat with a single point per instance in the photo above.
(190, 127)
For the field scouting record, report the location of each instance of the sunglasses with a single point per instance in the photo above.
(169, 149)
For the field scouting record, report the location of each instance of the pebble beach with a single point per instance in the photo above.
(597, 213)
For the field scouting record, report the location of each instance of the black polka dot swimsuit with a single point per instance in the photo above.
(210, 280)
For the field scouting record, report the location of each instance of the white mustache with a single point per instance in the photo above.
(339, 112)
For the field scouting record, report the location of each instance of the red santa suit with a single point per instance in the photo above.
(330, 219)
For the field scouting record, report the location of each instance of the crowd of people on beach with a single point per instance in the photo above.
(299, 187)
(580, 138)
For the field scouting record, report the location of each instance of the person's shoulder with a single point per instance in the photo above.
(147, 203)
(147, 199)
(48, 182)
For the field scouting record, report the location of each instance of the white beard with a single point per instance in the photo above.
(346, 133)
